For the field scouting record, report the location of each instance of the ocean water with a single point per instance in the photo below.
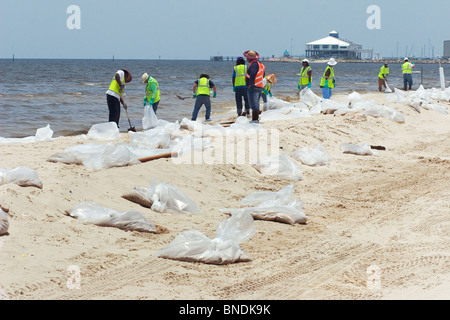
(70, 95)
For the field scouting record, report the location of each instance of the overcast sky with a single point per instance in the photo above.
(198, 29)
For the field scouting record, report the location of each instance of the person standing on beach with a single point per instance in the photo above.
(328, 83)
(305, 76)
(382, 76)
(115, 93)
(407, 74)
(240, 87)
(152, 94)
(254, 80)
(270, 80)
(202, 94)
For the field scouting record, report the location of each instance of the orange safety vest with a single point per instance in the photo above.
(260, 75)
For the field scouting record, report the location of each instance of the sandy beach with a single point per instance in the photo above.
(378, 226)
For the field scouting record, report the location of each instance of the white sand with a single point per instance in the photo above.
(388, 213)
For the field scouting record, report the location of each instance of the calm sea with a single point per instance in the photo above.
(70, 94)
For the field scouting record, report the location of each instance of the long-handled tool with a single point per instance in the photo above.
(131, 128)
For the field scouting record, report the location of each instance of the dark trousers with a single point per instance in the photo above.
(155, 106)
(241, 93)
(114, 109)
(199, 102)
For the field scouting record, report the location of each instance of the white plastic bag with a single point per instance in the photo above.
(273, 206)
(150, 120)
(362, 150)
(22, 176)
(311, 156)
(107, 131)
(279, 165)
(4, 223)
(193, 246)
(162, 198)
(92, 213)
(44, 134)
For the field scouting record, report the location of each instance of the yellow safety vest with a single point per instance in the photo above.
(268, 85)
(240, 72)
(304, 77)
(203, 87)
(383, 72)
(114, 86)
(330, 78)
(149, 93)
(407, 67)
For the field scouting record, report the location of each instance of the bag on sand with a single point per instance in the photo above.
(311, 156)
(4, 224)
(92, 213)
(361, 150)
(150, 120)
(22, 176)
(279, 165)
(162, 198)
(193, 246)
(273, 206)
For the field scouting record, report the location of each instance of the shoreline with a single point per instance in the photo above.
(417, 61)
(384, 213)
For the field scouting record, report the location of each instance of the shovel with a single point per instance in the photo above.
(126, 110)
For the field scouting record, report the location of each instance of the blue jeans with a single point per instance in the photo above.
(407, 79)
(199, 102)
(326, 93)
(254, 97)
(241, 93)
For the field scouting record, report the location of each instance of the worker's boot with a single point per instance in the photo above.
(255, 116)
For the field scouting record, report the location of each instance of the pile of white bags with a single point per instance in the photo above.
(162, 198)
(279, 166)
(311, 156)
(193, 246)
(150, 120)
(273, 206)
(92, 213)
(22, 176)
(4, 223)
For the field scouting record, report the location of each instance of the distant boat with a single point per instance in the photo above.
(217, 58)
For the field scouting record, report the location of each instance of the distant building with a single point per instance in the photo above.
(333, 46)
(447, 49)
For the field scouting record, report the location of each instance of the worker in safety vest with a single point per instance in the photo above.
(240, 87)
(152, 94)
(115, 93)
(268, 82)
(407, 74)
(328, 82)
(202, 94)
(305, 75)
(255, 82)
(382, 76)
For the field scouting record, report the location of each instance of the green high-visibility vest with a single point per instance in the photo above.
(149, 93)
(384, 72)
(304, 77)
(330, 78)
(240, 72)
(407, 67)
(203, 87)
(114, 86)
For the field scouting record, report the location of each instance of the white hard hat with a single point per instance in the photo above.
(406, 59)
(305, 60)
